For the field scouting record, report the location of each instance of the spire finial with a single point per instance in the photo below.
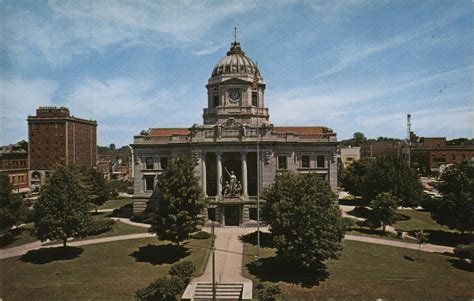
(234, 33)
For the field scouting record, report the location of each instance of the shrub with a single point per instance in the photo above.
(164, 288)
(268, 293)
(183, 269)
(429, 203)
(465, 251)
(201, 235)
(130, 190)
(348, 222)
(101, 226)
(141, 218)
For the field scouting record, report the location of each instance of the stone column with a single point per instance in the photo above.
(219, 173)
(244, 174)
(203, 174)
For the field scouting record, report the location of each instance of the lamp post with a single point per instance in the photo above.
(213, 249)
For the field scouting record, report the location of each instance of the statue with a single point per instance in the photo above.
(243, 130)
(226, 189)
(218, 131)
(232, 187)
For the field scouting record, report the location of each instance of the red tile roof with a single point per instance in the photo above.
(300, 129)
(168, 131)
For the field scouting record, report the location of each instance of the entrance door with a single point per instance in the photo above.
(232, 215)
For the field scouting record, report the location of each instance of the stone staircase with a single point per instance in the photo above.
(224, 291)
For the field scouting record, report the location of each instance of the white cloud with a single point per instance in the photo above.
(209, 49)
(353, 52)
(102, 99)
(123, 106)
(323, 104)
(332, 10)
(19, 97)
(434, 120)
(76, 27)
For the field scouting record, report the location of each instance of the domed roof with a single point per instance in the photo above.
(235, 63)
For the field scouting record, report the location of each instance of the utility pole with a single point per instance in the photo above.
(409, 139)
(258, 190)
(213, 250)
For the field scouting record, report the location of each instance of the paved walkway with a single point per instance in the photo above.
(20, 250)
(228, 259)
(129, 222)
(394, 243)
(228, 248)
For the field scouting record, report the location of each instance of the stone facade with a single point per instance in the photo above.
(236, 147)
(55, 135)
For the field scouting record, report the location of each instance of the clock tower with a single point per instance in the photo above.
(235, 91)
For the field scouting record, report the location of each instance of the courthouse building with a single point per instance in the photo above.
(54, 135)
(235, 127)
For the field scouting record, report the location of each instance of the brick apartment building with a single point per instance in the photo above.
(54, 135)
(14, 162)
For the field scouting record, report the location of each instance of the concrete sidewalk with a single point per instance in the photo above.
(20, 250)
(380, 241)
(228, 267)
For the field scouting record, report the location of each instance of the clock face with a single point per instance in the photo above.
(234, 95)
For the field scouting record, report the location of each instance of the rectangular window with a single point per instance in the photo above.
(253, 214)
(164, 162)
(282, 162)
(149, 163)
(149, 183)
(216, 101)
(454, 157)
(255, 99)
(320, 161)
(211, 214)
(304, 161)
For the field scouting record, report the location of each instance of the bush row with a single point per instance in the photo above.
(167, 287)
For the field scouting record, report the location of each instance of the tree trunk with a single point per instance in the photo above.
(383, 228)
(64, 242)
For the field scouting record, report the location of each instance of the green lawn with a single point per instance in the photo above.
(116, 203)
(18, 237)
(418, 220)
(118, 228)
(109, 271)
(368, 271)
(22, 236)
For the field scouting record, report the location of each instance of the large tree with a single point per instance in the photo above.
(98, 190)
(353, 177)
(62, 210)
(179, 205)
(11, 206)
(359, 138)
(392, 174)
(456, 209)
(383, 210)
(306, 223)
(384, 174)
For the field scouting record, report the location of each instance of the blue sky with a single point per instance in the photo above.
(353, 65)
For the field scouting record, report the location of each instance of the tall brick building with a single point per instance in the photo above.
(54, 135)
